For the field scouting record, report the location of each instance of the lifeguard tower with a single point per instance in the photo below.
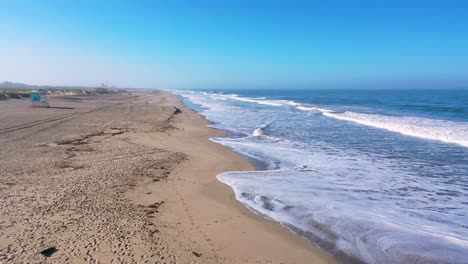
(38, 99)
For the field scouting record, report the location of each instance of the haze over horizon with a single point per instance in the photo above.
(236, 44)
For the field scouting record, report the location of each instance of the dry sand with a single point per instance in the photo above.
(126, 179)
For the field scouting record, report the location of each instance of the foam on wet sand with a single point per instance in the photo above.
(126, 178)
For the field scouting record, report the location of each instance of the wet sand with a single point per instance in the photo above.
(126, 179)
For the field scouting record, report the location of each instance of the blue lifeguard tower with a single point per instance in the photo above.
(38, 99)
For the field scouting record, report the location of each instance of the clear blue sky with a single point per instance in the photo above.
(198, 43)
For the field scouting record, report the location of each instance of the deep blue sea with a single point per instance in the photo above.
(371, 176)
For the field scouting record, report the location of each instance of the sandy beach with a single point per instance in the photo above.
(126, 178)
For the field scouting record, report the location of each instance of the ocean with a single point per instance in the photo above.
(368, 176)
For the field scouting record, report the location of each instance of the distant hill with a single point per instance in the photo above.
(13, 85)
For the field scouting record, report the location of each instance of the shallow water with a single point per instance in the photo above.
(372, 176)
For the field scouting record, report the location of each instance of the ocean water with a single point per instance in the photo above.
(368, 176)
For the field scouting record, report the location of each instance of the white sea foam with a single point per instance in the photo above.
(314, 108)
(322, 196)
(377, 207)
(260, 131)
(433, 129)
(441, 130)
(259, 100)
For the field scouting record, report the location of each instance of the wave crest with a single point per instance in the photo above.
(433, 129)
(260, 131)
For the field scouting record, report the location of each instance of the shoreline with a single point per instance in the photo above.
(243, 232)
(127, 178)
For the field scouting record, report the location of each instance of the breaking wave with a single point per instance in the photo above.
(433, 129)
(260, 131)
